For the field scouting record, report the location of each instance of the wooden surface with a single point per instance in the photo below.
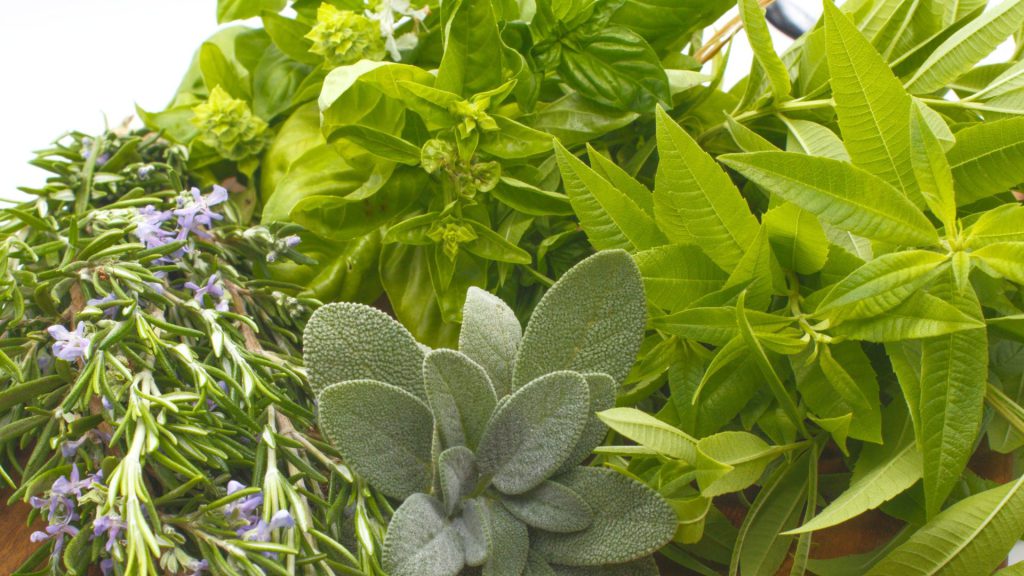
(14, 533)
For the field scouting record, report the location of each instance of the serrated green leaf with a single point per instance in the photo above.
(814, 139)
(676, 275)
(872, 106)
(460, 396)
(591, 320)
(838, 193)
(972, 537)
(551, 507)
(931, 169)
(621, 180)
(1001, 224)
(648, 431)
(490, 336)
(718, 325)
(630, 521)
(986, 159)
(954, 369)
(761, 546)
(747, 139)
(610, 218)
(532, 433)
(396, 459)
(966, 47)
(347, 341)
(880, 285)
(456, 468)
(760, 38)
(421, 542)
(1005, 258)
(731, 461)
(923, 316)
(694, 197)
(797, 238)
(882, 472)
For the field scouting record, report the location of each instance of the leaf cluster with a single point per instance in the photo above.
(482, 445)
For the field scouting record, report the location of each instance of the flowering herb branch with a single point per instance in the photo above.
(154, 409)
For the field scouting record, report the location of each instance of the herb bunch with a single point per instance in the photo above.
(154, 409)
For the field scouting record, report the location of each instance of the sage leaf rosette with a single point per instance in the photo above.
(483, 445)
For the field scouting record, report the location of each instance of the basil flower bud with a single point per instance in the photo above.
(343, 37)
(228, 126)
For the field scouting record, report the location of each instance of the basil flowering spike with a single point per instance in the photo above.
(591, 320)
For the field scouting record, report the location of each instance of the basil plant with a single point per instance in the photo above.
(483, 445)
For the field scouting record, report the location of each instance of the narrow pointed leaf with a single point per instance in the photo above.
(694, 197)
(872, 106)
(610, 218)
(880, 285)
(838, 193)
(932, 170)
(648, 431)
(754, 22)
(986, 159)
(923, 316)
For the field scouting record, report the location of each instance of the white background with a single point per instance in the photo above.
(75, 65)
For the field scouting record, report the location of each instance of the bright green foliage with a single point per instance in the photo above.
(489, 478)
(344, 37)
(228, 126)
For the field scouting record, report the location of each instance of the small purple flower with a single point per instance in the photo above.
(286, 243)
(111, 525)
(107, 404)
(213, 289)
(65, 486)
(197, 567)
(110, 311)
(195, 215)
(244, 508)
(145, 170)
(55, 532)
(45, 362)
(70, 448)
(107, 567)
(149, 227)
(69, 346)
(261, 531)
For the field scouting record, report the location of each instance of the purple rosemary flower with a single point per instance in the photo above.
(145, 170)
(65, 486)
(195, 214)
(213, 289)
(261, 531)
(69, 448)
(55, 532)
(69, 346)
(197, 567)
(244, 508)
(109, 311)
(286, 243)
(149, 227)
(107, 567)
(111, 525)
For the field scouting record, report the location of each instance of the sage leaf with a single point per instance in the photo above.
(458, 474)
(591, 320)
(460, 396)
(630, 521)
(352, 341)
(551, 507)
(509, 543)
(396, 459)
(421, 542)
(531, 434)
(602, 397)
(490, 336)
(642, 567)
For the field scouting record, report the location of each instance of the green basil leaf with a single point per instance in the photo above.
(615, 67)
